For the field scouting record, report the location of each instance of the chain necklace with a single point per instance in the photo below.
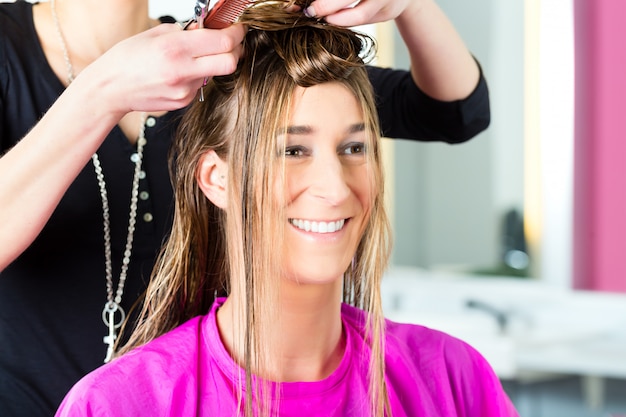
(113, 303)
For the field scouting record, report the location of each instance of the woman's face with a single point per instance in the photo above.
(327, 179)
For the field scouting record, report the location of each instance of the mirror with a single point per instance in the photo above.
(451, 202)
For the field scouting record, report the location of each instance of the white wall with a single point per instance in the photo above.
(180, 9)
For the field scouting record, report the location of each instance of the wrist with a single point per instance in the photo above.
(98, 92)
(414, 10)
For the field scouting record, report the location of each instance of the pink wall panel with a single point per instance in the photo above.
(600, 145)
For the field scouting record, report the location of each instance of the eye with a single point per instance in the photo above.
(353, 148)
(295, 151)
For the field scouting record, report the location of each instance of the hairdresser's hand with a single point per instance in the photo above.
(162, 68)
(441, 64)
(339, 12)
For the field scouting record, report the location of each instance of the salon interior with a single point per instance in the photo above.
(505, 241)
(515, 241)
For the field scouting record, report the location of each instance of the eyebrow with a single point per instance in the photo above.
(306, 129)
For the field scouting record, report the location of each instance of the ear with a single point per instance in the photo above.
(211, 177)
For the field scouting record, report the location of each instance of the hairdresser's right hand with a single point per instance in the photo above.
(158, 70)
(162, 68)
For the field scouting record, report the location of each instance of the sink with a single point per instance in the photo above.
(545, 329)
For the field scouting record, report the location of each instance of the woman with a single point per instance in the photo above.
(282, 163)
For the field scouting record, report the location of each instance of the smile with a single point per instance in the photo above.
(318, 227)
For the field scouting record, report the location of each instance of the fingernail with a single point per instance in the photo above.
(309, 12)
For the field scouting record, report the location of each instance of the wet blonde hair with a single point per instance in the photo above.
(210, 251)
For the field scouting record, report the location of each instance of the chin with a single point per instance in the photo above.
(325, 277)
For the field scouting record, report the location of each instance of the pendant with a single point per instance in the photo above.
(108, 317)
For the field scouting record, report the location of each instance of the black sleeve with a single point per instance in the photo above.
(167, 19)
(406, 112)
(3, 71)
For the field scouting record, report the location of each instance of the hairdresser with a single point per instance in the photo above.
(90, 93)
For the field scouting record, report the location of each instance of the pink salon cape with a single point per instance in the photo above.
(188, 372)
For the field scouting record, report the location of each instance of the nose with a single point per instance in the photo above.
(330, 180)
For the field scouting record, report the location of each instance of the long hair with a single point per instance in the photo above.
(212, 251)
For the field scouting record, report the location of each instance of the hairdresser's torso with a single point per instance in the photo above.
(51, 297)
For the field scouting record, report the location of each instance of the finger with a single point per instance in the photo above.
(217, 64)
(203, 42)
(322, 8)
(366, 12)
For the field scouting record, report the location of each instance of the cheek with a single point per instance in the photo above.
(282, 196)
(363, 187)
(288, 189)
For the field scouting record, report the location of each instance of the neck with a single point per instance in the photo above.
(91, 27)
(310, 333)
(307, 334)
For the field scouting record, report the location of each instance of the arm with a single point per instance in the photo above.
(160, 69)
(442, 68)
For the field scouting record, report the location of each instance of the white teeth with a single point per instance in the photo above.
(318, 227)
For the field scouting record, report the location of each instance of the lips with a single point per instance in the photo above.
(318, 226)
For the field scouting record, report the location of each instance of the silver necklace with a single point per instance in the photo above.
(113, 303)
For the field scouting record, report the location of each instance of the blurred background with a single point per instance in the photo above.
(505, 241)
(516, 240)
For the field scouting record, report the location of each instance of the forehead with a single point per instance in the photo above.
(325, 105)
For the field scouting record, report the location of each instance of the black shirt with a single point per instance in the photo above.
(51, 297)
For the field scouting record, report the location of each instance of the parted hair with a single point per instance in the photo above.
(211, 251)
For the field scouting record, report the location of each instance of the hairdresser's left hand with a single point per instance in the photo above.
(441, 64)
(339, 12)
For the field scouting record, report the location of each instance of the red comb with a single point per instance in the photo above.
(225, 13)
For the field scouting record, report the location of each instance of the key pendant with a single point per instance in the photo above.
(108, 317)
(110, 338)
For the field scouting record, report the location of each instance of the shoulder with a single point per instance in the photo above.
(417, 342)
(142, 378)
(15, 20)
(423, 346)
(14, 15)
(447, 370)
(169, 353)
(18, 38)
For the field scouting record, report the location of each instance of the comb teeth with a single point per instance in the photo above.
(226, 13)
